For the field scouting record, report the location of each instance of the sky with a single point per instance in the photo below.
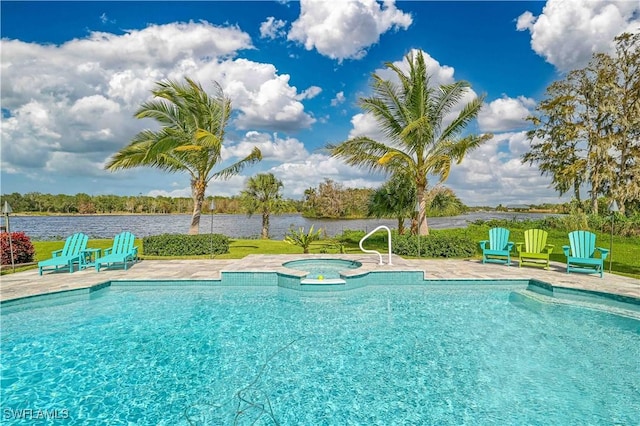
(74, 73)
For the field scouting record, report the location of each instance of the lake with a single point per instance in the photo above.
(235, 226)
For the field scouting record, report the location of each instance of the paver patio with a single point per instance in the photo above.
(28, 283)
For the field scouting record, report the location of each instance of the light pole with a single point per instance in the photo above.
(613, 208)
(419, 223)
(6, 211)
(212, 207)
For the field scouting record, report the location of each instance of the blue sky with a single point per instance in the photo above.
(73, 73)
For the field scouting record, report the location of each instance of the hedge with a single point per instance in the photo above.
(434, 245)
(185, 245)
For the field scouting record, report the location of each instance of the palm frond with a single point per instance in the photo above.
(234, 169)
(468, 113)
(449, 95)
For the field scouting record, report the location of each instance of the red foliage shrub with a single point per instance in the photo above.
(23, 250)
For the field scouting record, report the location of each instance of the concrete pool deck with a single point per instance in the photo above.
(29, 283)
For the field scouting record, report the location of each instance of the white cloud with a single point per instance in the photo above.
(273, 147)
(567, 33)
(345, 29)
(69, 164)
(105, 19)
(505, 114)
(338, 99)
(493, 174)
(224, 188)
(88, 108)
(525, 21)
(365, 124)
(79, 97)
(176, 193)
(310, 172)
(272, 28)
(309, 93)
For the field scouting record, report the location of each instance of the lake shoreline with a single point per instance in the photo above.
(58, 227)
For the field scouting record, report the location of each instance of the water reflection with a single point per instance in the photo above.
(238, 226)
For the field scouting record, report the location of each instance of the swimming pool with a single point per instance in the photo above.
(410, 354)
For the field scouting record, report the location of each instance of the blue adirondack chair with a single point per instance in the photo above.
(581, 254)
(499, 249)
(122, 251)
(72, 252)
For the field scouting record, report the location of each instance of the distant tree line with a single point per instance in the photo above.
(262, 195)
(36, 202)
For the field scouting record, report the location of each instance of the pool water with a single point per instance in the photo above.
(325, 268)
(374, 356)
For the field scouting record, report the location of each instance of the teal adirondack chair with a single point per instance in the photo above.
(534, 251)
(72, 252)
(581, 253)
(499, 249)
(122, 251)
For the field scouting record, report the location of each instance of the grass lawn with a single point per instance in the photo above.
(625, 253)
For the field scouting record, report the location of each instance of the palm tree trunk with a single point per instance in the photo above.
(401, 225)
(265, 225)
(198, 188)
(423, 227)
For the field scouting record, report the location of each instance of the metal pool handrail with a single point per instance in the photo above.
(375, 251)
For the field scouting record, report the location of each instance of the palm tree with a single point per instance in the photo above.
(189, 140)
(395, 198)
(411, 114)
(262, 194)
(444, 202)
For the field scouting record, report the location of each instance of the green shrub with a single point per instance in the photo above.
(185, 245)
(434, 245)
(301, 238)
(352, 236)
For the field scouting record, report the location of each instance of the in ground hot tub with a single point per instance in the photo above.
(322, 271)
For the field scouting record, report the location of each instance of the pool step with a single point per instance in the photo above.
(326, 281)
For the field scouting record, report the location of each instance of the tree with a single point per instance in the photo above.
(625, 186)
(587, 130)
(395, 198)
(554, 141)
(190, 138)
(444, 202)
(329, 202)
(412, 114)
(262, 194)
(332, 200)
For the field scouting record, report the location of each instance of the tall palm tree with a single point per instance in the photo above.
(411, 114)
(262, 194)
(189, 140)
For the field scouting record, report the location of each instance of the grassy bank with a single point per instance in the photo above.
(625, 253)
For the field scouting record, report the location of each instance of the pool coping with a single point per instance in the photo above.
(20, 287)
